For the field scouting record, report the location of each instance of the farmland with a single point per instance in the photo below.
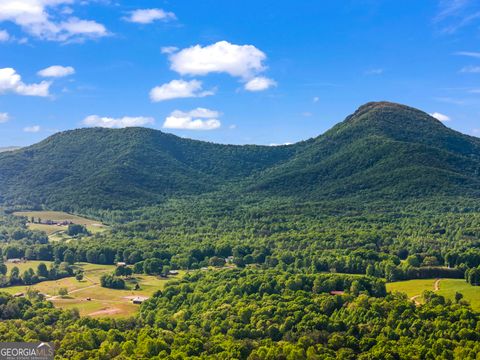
(446, 287)
(103, 301)
(58, 232)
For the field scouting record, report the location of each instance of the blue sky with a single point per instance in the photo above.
(263, 72)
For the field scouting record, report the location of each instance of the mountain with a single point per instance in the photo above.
(383, 150)
(105, 168)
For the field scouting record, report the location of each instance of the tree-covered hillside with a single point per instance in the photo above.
(103, 168)
(382, 151)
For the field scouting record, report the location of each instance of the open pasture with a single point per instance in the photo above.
(89, 297)
(445, 287)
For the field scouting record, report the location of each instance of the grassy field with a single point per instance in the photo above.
(104, 302)
(446, 287)
(26, 265)
(55, 232)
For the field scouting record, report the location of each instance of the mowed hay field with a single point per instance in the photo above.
(22, 266)
(55, 232)
(446, 287)
(103, 302)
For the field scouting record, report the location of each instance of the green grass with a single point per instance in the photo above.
(48, 229)
(26, 265)
(411, 287)
(104, 302)
(447, 288)
(55, 232)
(58, 216)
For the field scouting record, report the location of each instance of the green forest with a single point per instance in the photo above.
(285, 252)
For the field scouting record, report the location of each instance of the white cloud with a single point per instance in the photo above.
(274, 144)
(179, 89)
(456, 14)
(147, 16)
(168, 49)
(32, 129)
(377, 71)
(476, 131)
(471, 69)
(197, 119)
(12, 82)
(260, 83)
(469, 54)
(85, 28)
(316, 99)
(4, 36)
(57, 71)
(123, 122)
(4, 117)
(243, 61)
(45, 19)
(440, 117)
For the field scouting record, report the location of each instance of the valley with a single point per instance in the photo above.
(353, 244)
(87, 296)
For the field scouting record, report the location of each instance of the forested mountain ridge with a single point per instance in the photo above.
(124, 168)
(383, 150)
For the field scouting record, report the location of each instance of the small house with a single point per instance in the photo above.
(173, 272)
(337, 292)
(121, 263)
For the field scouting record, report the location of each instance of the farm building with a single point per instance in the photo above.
(139, 299)
(121, 263)
(14, 261)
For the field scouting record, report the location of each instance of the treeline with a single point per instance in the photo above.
(254, 314)
(31, 276)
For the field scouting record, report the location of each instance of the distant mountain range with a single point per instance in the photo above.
(9, 148)
(383, 150)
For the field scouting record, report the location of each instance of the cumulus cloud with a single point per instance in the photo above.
(11, 82)
(4, 117)
(176, 89)
(32, 129)
(243, 61)
(259, 83)
(440, 117)
(197, 119)
(147, 16)
(56, 71)
(123, 122)
(4, 36)
(45, 19)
